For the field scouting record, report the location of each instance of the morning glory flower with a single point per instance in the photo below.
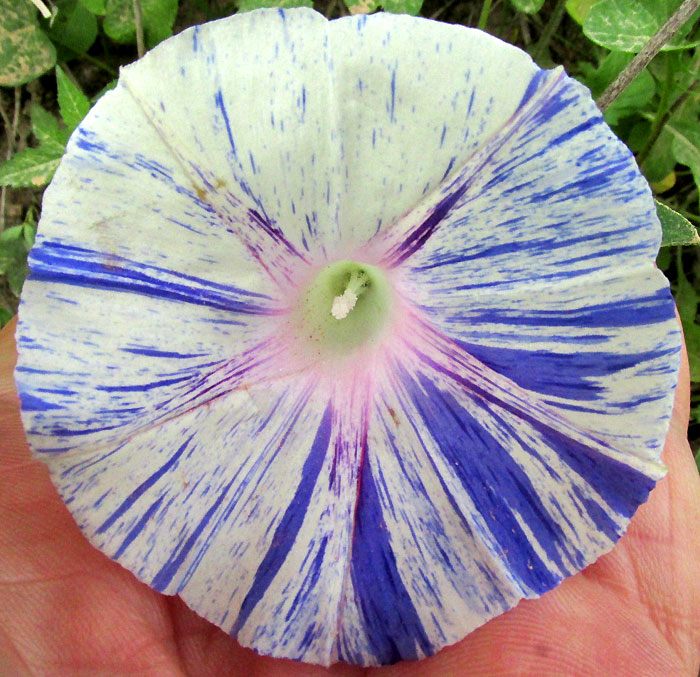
(347, 332)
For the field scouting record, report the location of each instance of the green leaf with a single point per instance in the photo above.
(676, 229)
(578, 9)
(32, 168)
(94, 6)
(73, 103)
(361, 6)
(29, 229)
(527, 6)
(25, 50)
(29, 232)
(627, 25)
(46, 129)
(12, 233)
(157, 16)
(12, 255)
(687, 304)
(685, 147)
(402, 6)
(660, 162)
(5, 316)
(16, 275)
(73, 26)
(663, 259)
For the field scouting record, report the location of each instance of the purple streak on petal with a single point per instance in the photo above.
(275, 233)
(402, 245)
(289, 526)
(422, 233)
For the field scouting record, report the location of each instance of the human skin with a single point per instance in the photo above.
(67, 609)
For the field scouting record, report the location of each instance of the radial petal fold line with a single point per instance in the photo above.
(553, 195)
(398, 78)
(269, 148)
(605, 351)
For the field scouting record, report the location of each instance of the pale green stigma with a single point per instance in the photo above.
(346, 306)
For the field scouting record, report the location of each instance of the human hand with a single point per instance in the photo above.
(69, 610)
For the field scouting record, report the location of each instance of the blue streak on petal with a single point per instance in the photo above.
(138, 527)
(151, 352)
(33, 403)
(143, 487)
(219, 102)
(291, 522)
(557, 374)
(622, 487)
(53, 262)
(537, 79)
(627, 313)
(142, 387)
(170, 568)
(392, 625)
(496, 484)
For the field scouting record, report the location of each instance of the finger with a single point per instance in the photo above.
(658, 555)
(14, 448)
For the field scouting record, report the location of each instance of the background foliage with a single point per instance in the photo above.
(57, 57)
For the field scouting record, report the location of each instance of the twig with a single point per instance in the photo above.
(484, 16)
(649, 51)
(550, 28)
(138, 21)
(11, 138)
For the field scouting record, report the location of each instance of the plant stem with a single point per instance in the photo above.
(657, 128)
(484, 16)
(649, 51)
(138, 22)
(662, 109)
(100, 64)
(550, 28)
(688, 215)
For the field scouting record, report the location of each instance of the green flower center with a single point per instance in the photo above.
(345, 307)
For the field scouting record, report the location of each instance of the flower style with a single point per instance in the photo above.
(347, 332)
